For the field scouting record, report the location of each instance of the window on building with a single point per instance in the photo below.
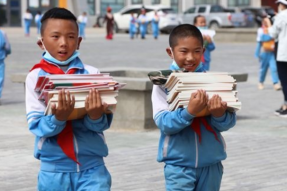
(137, 1)
(234, 3)
(91, 7)
(154, 2)
(116, 5)
(174, 5)
(212, 2)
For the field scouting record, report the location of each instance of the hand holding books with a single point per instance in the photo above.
(216, 106)
(197, 102)
(66, 104)
(94, 106)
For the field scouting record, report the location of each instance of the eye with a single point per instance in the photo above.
(71, 37)
(55, 36)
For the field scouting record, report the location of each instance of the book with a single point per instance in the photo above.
(179, 86)
(79, 85)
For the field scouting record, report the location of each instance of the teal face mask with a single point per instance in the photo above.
(48, 57)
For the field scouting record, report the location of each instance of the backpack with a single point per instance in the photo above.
(268, 46)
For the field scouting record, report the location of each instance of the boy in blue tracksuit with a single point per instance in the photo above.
(265, 53)
(5, 49)
(71, 152)
(209, 45)
(192, 148)
(155, 25)
(133, 26)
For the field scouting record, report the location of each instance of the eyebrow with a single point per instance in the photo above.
(56, 32)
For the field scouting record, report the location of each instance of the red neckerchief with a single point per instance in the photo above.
(65, 137)
(195, 125)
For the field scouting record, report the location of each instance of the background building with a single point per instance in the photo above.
(11, 11)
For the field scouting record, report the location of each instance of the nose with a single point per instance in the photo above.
(189, 57)
(63, 42)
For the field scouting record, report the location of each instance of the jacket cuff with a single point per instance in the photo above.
(186, 115)
(220, 119)
(94, 121)
(57, 122)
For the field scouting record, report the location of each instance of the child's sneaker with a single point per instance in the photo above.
(283, 113)
(260, 86)
(277, 87)
(278, 111)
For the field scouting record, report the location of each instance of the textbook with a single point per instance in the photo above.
(79, 85)
(179, 86)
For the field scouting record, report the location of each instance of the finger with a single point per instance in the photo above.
(90, 100)
(94, 94)
(64, 99)
(98, 97)
(224, 104)
(60, 98)
(193, 95)
(68, 99)
(73, 101)
(106, 110)
(53, 108)
(87, 102)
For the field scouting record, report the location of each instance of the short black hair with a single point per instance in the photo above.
(183, 31)
(57, 13)
(195, 19)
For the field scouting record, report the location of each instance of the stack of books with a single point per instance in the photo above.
(181, 85)
(78, 85)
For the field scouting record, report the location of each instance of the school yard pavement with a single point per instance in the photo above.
(256, 146)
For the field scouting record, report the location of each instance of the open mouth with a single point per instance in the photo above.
(62, 53)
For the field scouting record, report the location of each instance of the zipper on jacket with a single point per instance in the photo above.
(41, 142)
(77, 151)
(196, 150)
(165, 145)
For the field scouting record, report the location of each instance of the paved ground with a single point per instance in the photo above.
(256, 147)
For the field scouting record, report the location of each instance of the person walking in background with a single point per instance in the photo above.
(266, 58)
(278, 31)
(133, 26)
(109, 19)
(37, 20)
(155, 25)
(82, 22)
(5, 49)
(200, 22)
(143, 22)
(28, 17)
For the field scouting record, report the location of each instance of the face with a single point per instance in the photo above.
(201, 22)
(60, 38)
(187, 53)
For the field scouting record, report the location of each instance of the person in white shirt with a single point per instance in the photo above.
(82, 22)
(28, 17)
(278, 31)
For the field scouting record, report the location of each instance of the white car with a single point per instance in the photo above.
(168, 18)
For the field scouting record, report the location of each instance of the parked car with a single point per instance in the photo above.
(168, 18)
(249, 18)
(260, 13)
(216, 16)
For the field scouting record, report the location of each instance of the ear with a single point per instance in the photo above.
(203, 50)
(40, 44)
(79, 42)
(168, 51)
